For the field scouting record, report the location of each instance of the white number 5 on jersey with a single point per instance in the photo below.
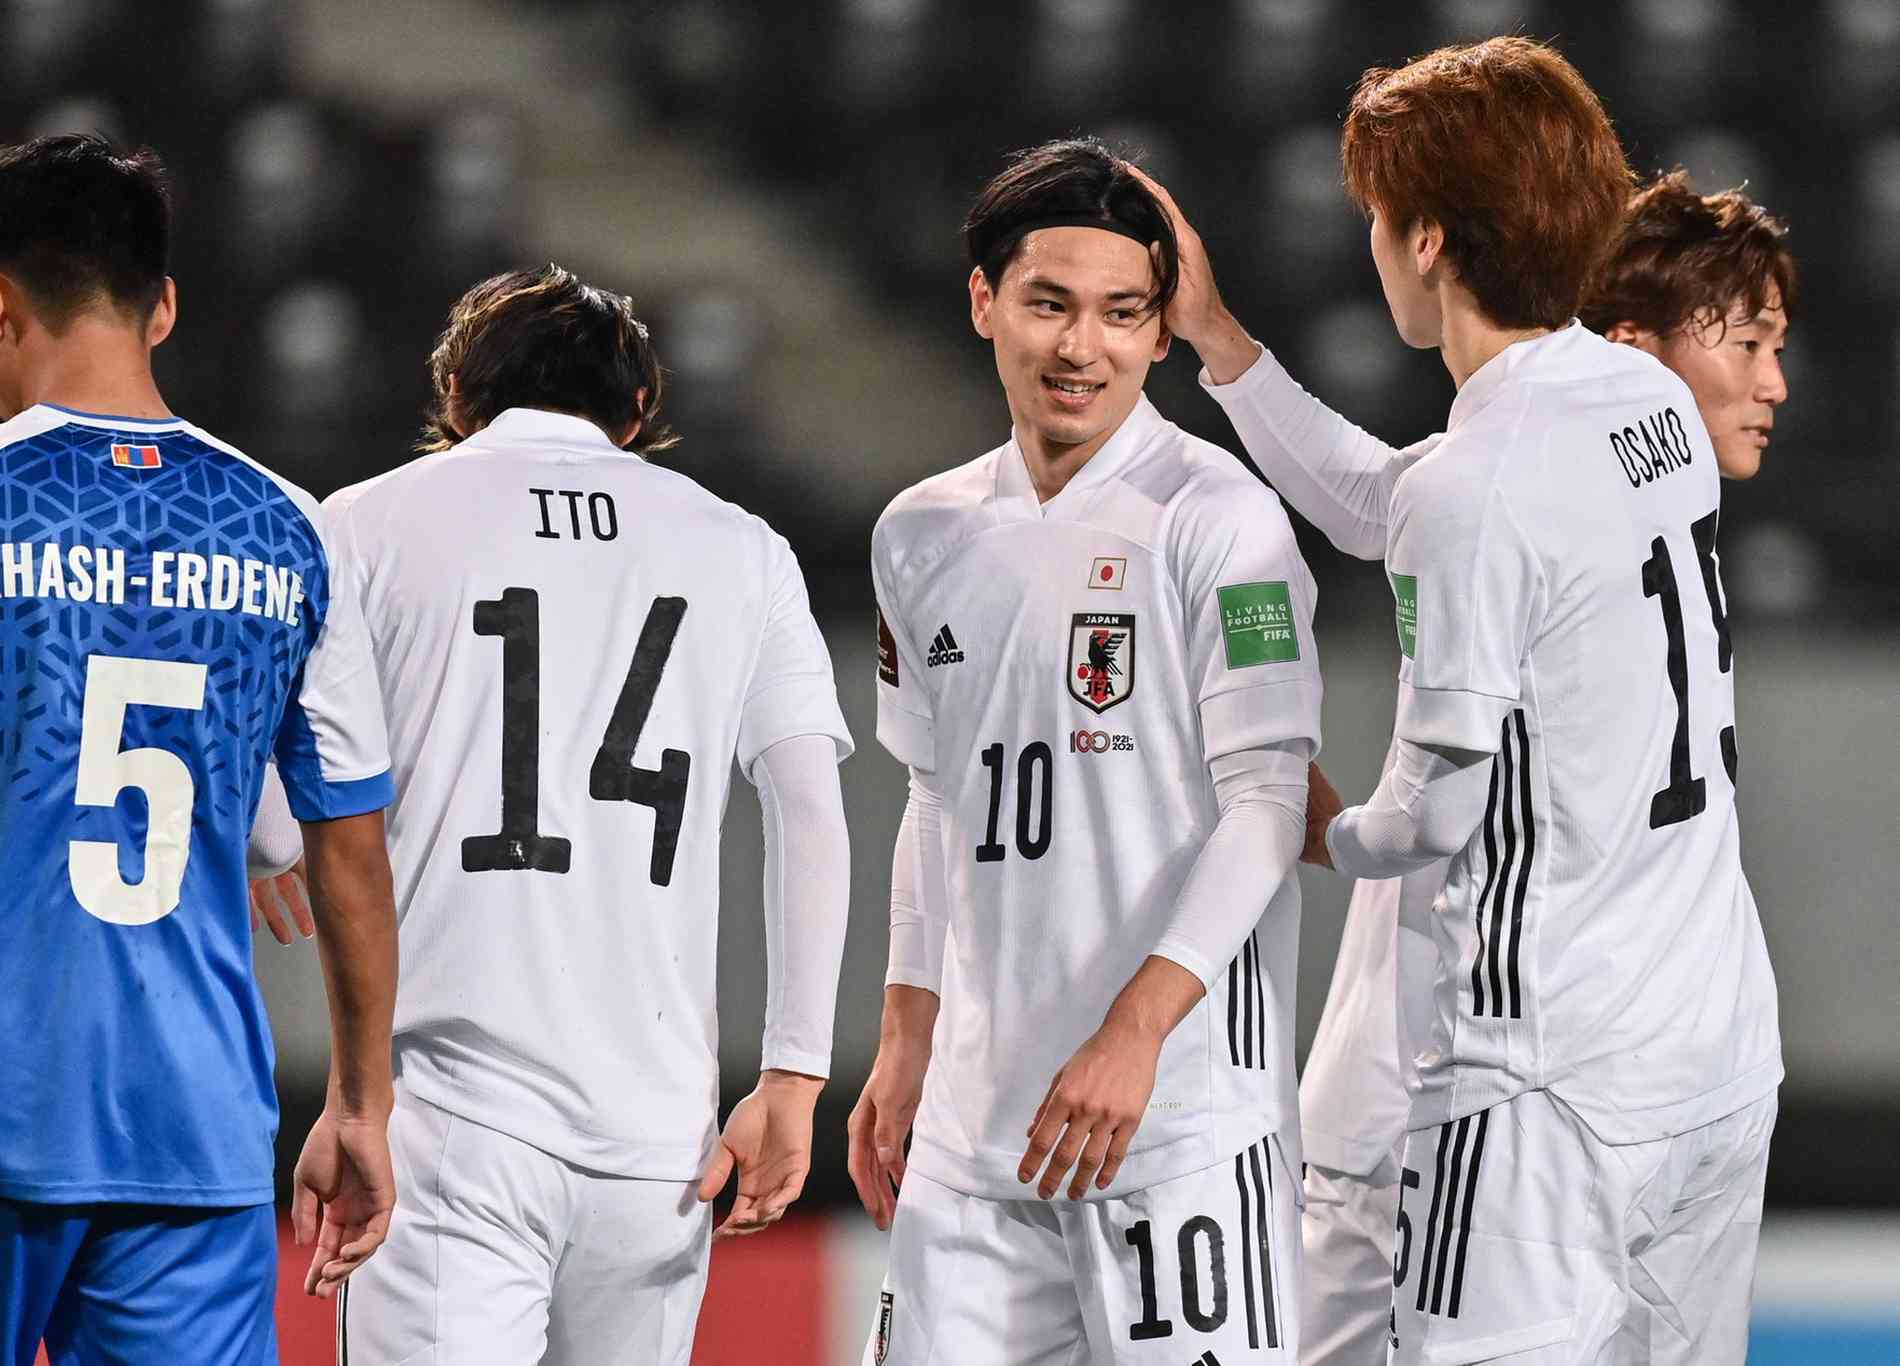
(112, 685)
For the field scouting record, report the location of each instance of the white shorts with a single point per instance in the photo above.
(1519, 1231)
(501, 1253)
(1346, 1230)
(1202, 1270)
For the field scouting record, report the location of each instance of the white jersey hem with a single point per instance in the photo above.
(593, 1152)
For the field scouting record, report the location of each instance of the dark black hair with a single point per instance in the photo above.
(1078, 181)
(543, 339)
(81, 224)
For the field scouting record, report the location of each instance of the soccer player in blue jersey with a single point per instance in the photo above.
(166, 623)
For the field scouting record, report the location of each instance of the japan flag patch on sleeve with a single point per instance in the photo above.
(1108, 571)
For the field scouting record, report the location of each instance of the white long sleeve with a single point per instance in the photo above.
(919, 913)
(807, 899)
(1253, 848)
(1424, 809)
(1336, 475)
(276, 838)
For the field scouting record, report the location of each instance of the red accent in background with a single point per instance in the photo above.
(765, 1301)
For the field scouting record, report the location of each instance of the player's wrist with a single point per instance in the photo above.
(909, 1018)
(1226, 348)
(361, 1105)
(782, 1081)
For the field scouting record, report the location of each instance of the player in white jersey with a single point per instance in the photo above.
(1596, 1087)
(574, 646)
(1096, 659)
(1705, 283)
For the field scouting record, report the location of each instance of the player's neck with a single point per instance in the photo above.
(93, 368)
(1052, 465)
(1471, 340)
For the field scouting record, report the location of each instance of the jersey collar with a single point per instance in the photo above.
(1016, 492)
(112, 420)
(1514, 362)
(536, 426)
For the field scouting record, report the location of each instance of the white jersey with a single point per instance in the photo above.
(573, 647)
(1067, 671)
(1553, 562)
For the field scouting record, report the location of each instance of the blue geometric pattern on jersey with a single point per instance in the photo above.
(138, 1057)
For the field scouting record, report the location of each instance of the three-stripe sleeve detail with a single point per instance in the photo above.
(1247, 1008)
(1233, 1010)
(1510, 819)
(1490, 876)
(1530, 853)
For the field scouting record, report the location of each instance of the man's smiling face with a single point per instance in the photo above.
(1073, 335)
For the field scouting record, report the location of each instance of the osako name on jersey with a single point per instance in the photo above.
(176, 578)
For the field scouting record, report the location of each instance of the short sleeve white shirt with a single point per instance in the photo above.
(1066, 671)
(1559, 605)
(574, 646)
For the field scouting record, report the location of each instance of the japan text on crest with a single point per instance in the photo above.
(1101, 658)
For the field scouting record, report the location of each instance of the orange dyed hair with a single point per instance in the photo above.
(1505, 146)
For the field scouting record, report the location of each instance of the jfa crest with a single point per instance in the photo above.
(1101, 658)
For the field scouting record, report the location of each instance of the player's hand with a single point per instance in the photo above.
(271, 897)
(768, 1136)
(1196, 311)
(1092, 1109)
(1322, 804)
(342, 1195)
(880, 1122)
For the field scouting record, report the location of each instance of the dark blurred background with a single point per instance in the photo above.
(779, 187)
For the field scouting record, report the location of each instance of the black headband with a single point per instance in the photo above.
(1080, 220)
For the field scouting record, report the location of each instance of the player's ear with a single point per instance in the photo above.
(1428, 241)
(632, 432)
(452, 408)
(164, 314)
(1629, 334)
(1163, 340)
(982, 299)
(11, 311)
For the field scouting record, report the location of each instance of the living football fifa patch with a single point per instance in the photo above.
(1256, 622)
(1101, 658)
(1405, 598)
(135, 457)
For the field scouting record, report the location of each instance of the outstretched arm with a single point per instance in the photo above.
(1425, 808)
(1336, 475)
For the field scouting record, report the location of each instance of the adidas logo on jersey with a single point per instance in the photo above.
(943, 650)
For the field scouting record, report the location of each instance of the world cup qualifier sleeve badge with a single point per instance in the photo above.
(1101, 659)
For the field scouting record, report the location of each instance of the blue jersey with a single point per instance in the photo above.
(166, 623)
